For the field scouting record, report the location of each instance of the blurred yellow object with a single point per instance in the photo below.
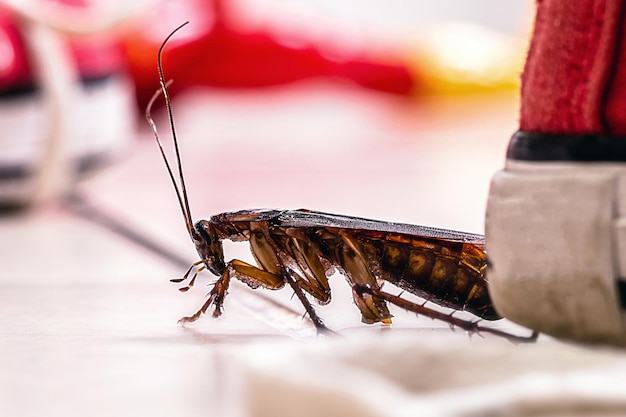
(461, 58)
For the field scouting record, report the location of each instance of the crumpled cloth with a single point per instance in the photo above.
(423, 374)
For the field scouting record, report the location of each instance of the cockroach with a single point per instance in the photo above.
(303, 248)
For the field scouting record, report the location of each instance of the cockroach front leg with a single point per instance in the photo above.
(469, 326)
(216, 296)
(252, 276)
(192, 281)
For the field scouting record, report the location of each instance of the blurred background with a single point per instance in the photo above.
(77, 76)
(395, 110)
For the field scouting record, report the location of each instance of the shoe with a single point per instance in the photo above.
(556, 216)
(98, 106)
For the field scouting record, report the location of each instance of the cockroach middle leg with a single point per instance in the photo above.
(317, 321)
(469, 326)
(255, 277)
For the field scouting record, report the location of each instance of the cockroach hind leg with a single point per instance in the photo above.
(468, 326)
(474, 328)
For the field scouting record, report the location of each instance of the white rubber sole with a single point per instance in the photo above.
(556, 244)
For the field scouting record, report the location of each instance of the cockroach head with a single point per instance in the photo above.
(209, 246)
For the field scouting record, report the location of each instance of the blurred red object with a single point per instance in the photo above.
(15, 71)
(95, 57)
(213, 52)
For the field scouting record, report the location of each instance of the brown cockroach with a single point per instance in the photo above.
(302, 248)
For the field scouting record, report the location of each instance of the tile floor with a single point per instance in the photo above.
(88, 318)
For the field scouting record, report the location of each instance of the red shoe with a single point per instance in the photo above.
(556, 217)
(98, 106)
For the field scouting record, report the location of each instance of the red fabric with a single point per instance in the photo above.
(616, 89)
(570, 69)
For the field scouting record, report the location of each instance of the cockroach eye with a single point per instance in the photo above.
(196, 236)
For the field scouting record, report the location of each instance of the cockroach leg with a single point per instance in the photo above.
(216, 296)
(317, 321)
(186, 275)
(200, 312)
(469, 326)
(266, 251)
(254, 276)
(218, 293)
(305, 253)
(373, 308)
(193, 279)
(353, 262)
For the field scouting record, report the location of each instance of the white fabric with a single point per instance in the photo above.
(444, 374)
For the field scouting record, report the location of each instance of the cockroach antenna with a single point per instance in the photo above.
(180, 188)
